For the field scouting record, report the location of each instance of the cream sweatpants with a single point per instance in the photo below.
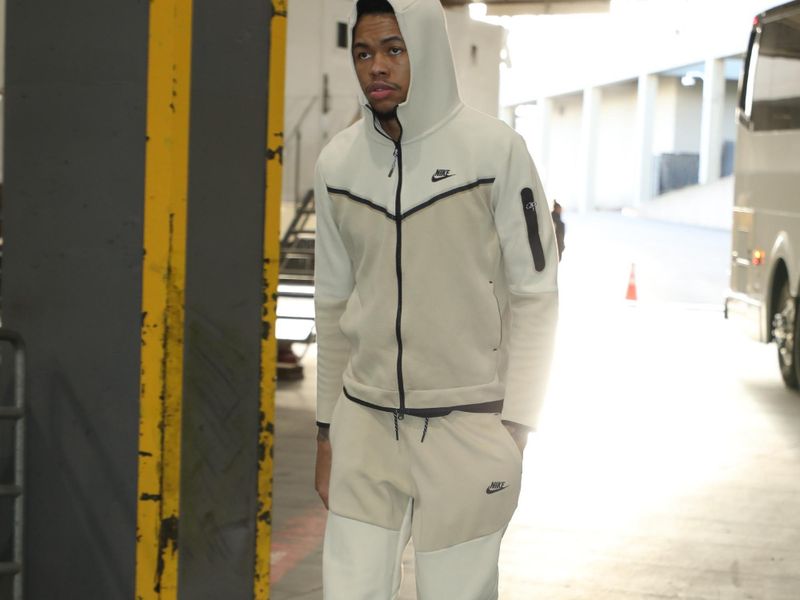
(452, 487)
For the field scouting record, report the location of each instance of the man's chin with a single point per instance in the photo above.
(383, 113)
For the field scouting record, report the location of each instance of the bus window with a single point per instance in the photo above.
(748, 77)
(776, 89)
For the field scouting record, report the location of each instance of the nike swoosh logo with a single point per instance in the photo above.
(436, 178)
(494, 490)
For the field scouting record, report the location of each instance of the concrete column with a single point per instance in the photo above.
(72, 210)
(711, 126)
(542, 157)
(81, 177)
(645, 123)
(588, 149)
(2, 81)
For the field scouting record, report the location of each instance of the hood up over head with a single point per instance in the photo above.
(433, 95)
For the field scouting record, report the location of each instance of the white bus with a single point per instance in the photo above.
(765, 257)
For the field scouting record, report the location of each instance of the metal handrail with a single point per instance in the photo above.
(10, 569)
(298, 142)
(10, 412)
(302, 118)
(10, 490)
(17, 487)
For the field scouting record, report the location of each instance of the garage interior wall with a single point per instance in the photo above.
(75, 140)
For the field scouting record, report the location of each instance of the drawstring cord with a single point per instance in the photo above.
(398, 416)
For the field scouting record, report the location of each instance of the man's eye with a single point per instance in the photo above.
(395, 51)
(362, 55)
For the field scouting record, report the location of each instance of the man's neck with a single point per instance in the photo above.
(391, 127)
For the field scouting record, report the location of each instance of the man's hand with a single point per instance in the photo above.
(322, 475)
(519, 433)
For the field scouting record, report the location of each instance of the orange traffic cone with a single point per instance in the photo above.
(631, 293)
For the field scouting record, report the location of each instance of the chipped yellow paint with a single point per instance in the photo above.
(163, 282)
(271, 255)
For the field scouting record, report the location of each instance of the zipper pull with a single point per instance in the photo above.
(394, 161)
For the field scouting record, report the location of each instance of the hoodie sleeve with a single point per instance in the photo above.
(530, 257)
(333, 281)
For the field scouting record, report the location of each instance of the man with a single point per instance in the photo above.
(436, 306)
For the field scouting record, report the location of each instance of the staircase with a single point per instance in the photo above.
(297, 245)
(295, 314)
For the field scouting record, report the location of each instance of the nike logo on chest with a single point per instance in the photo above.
(441, 174)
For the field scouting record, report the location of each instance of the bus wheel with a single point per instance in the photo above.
(784, 330)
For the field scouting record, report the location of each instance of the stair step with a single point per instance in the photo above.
(296, 277)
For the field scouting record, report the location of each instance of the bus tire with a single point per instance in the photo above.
(786, 332)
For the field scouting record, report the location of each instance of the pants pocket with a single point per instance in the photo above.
(508, 439)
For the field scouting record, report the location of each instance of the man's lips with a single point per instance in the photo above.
(379, 91)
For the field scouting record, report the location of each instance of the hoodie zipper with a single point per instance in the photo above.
(394, 161)
(398, 157)
(397, 161)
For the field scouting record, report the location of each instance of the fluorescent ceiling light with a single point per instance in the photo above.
(477, 10)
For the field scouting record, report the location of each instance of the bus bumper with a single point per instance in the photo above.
(748, 314)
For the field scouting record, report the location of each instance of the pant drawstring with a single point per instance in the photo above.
(398, 416)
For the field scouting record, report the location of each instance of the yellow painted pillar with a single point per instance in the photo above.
(277, 69)
(163, 284)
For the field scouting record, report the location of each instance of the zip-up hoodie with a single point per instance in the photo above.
(435, 255)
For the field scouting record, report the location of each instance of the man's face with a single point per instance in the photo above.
(381, 60)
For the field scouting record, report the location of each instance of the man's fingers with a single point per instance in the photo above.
(519, 433)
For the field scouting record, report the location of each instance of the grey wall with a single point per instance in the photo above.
(71, 284)
(72, 214)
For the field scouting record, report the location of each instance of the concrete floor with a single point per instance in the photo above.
(667, 464)
(694, 497)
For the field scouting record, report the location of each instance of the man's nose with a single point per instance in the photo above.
(380, 64)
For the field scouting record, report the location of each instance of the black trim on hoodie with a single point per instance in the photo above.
(447, 194)
(462, 188)
(493, 406)
(361, 200)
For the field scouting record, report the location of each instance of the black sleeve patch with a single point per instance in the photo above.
(532, 222)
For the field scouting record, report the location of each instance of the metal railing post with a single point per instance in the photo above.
(16, 488)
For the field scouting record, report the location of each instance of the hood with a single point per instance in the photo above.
(433, 95)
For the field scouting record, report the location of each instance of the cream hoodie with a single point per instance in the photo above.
(435, 256)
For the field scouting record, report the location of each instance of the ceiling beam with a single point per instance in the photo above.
(538, 7)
